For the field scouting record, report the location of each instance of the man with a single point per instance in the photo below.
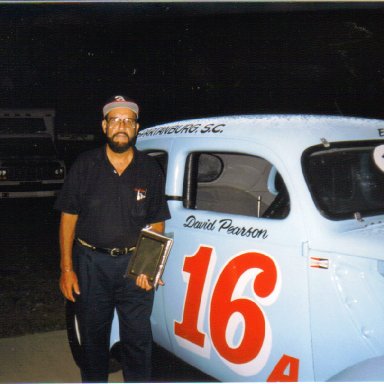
(109, 195)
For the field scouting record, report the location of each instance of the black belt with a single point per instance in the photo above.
(109, 251)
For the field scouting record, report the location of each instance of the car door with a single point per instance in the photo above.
(235, 300)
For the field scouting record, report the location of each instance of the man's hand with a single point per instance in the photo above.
(142, 282)
(68, 278)
(69, 284)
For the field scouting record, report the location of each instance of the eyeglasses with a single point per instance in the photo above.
(114, 122)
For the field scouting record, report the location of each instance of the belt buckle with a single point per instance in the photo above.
(115, 252)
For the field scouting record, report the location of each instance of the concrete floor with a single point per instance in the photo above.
(40, 357)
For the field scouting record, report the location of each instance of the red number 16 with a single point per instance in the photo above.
(224, 306)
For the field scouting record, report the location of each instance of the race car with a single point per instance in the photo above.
(276, 272)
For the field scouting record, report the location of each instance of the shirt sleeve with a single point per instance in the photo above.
(158, 210)
(68, 199)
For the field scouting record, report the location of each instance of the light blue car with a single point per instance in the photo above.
(277, 267)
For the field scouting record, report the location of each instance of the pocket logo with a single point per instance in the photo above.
(141, 194)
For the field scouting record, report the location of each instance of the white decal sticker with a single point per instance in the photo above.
(378, 157)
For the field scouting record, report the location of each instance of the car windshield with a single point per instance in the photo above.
(344, 180)
(26, 147)
(22, 125)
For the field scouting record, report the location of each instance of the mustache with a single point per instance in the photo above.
(120, 133)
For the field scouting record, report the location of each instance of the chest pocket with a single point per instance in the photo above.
(139, 209)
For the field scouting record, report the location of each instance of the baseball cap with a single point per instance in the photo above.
(120, 102)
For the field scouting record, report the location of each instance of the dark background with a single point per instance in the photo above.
(182, 60)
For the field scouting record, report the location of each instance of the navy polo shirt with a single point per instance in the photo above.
(113, 209)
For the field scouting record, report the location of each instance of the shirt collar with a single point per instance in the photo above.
(103, 156)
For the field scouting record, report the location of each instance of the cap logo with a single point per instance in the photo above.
(119, 98)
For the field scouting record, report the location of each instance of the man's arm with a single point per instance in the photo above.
(157, 227)
(68, 278)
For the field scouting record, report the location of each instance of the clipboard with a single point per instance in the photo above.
(150, 256)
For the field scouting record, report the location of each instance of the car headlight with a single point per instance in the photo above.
(59, 172)
(3, 174)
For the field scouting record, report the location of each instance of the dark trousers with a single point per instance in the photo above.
(102, 290)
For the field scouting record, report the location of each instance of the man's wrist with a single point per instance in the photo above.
(66, 270)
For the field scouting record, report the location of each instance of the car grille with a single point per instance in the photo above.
(32, 172)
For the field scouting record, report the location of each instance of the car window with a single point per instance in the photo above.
(344, 180)
(234, 183)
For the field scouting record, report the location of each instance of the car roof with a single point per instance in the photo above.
(274, 131)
